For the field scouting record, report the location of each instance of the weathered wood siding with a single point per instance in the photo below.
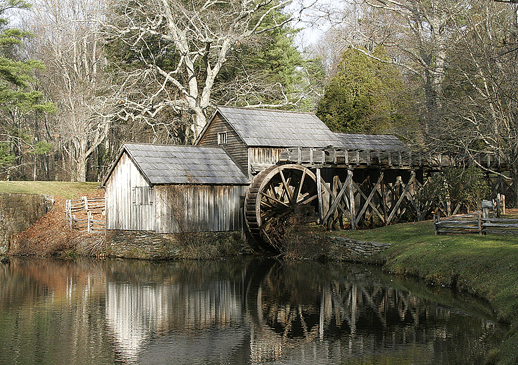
(235, 147)
(130, 201)
(199, 208)
(260, 158)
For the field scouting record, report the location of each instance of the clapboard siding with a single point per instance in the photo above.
(199, 208)
(126, 208)
(235, 147)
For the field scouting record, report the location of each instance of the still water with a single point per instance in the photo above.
(232, 312)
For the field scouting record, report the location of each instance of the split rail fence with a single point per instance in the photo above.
(86, 214)
(475, 223)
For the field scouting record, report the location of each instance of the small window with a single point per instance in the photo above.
(141, 195)
(222, 138)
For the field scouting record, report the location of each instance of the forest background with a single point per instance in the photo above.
(80, 77)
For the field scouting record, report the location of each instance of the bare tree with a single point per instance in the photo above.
(175, 50)
(482, 87)
(418, 35)
(70, 44)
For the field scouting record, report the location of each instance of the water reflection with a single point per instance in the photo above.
(305, 314)
(52, 312)
(232, 312)
(192, 313)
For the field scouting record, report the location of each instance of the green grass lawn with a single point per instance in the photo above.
(64, 189)
(486, 266)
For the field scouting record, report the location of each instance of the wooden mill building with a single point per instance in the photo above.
(252, 166)
(171, 189)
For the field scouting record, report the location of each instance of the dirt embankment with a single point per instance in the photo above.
(51, 235)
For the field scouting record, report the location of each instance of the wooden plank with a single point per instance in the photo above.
(500, 220)
(471, 224)
(500, 231)
(500, 225)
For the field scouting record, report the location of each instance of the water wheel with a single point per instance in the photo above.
(276, 193)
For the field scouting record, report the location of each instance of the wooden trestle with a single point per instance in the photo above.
(373, 187)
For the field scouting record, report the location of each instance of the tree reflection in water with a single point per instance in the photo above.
(233, 312)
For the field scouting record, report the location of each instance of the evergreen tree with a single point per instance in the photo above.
(17, 97)
(363, 95)
(265, 70)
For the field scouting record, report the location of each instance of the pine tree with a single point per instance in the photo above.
(17, 97)
(361, 97)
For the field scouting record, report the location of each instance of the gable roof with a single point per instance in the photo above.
(161, 164)
(381, 142)
(277, 128)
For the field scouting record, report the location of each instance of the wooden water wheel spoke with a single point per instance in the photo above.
(275, 194)
(274, 199)
(271, 192)
(308, 200)
(301, 184)
(285, 184)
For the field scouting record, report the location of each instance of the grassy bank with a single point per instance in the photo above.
(63, 189)
(486, 266)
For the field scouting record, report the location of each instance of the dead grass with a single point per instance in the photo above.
(51, 235)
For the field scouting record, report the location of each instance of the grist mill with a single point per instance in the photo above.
(251, 167)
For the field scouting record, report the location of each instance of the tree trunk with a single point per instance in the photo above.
(199, 122)
(514, 177)
(81, 169)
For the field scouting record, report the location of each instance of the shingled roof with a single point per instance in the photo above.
(383, 142)
(161, 164)
(277, 128)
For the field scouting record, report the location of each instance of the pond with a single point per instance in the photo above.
(233, 312)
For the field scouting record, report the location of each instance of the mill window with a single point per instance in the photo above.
(222, 138)
(142, 195)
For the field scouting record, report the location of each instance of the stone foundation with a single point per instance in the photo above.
(153, 246)
(18, 212)
(346, 249)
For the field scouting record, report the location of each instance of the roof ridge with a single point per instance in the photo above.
(167, 145)
(265, 109)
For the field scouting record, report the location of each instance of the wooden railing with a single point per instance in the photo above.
(351, 158)
(86, 214)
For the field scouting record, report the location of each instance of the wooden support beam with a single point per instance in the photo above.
(339, 196)
(352, 203)
(319, 193)
(368, 200)
(333, 196)
(402, 196)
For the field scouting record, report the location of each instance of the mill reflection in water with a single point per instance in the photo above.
(291, 313)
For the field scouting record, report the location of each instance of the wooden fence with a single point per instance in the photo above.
(475, 223)
(86, 214)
